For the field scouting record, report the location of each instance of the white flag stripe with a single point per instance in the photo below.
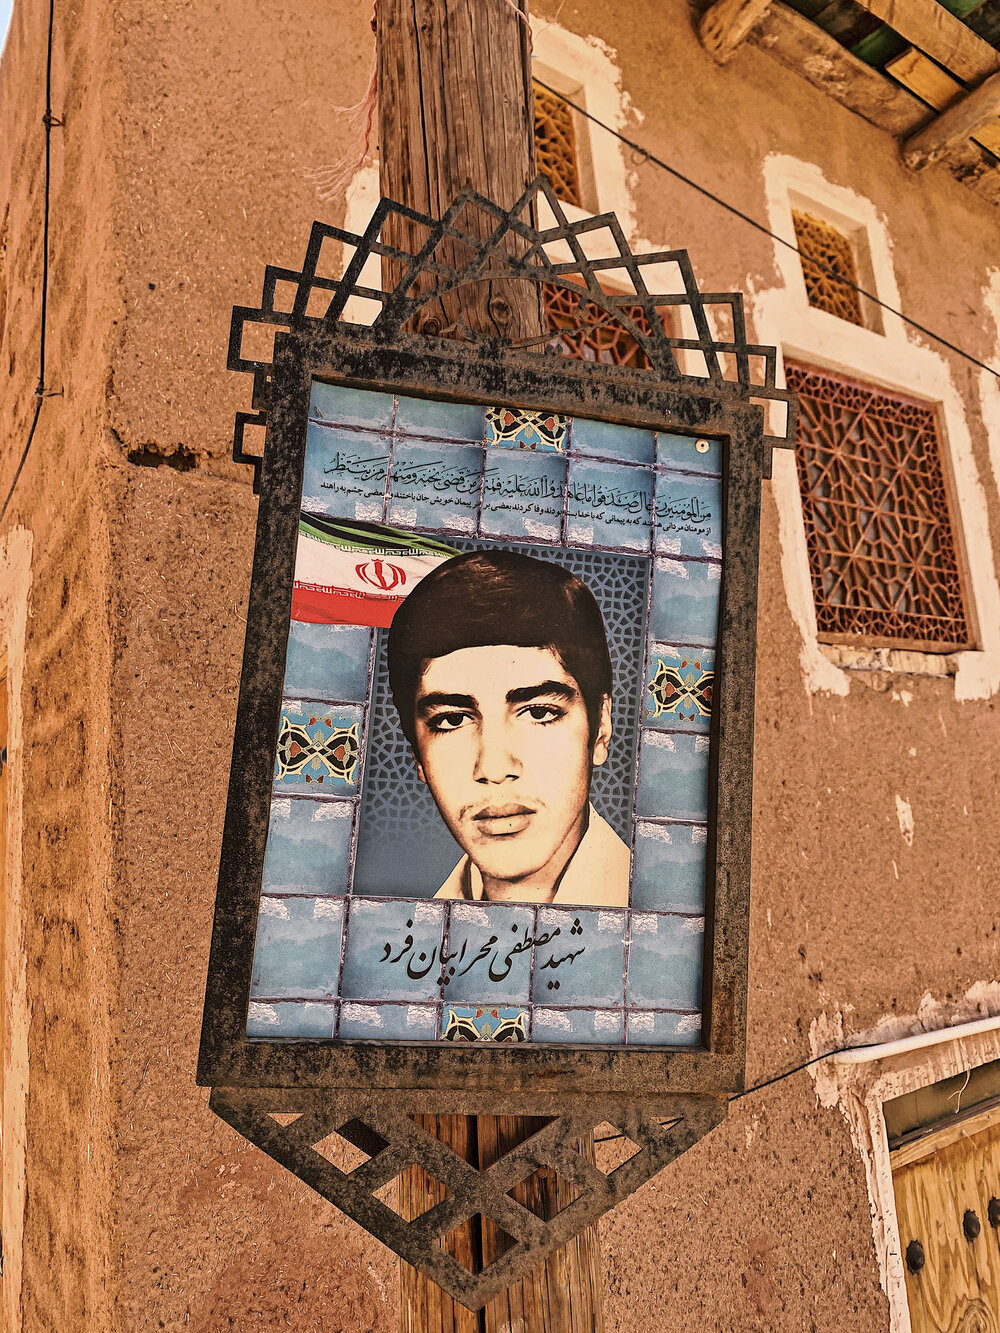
(321, 564)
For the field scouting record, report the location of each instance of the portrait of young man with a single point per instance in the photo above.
(500, 673)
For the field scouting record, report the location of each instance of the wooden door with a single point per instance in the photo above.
(948, 1204)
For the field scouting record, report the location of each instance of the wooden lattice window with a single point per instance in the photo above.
(883, 555)
(827, 254)
(555, 145)
(586, 332)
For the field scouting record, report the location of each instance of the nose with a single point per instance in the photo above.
(495, 757)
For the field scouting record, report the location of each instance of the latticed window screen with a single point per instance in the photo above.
(882, 550)
(824, 245)
(584, 331)
(555, 145)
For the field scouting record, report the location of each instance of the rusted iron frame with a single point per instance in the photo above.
(482, 373)
(353, 1088)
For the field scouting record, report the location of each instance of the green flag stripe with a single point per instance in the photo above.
(369, 536)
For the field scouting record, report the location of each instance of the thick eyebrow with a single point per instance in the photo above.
(547, 689)
(436, 699)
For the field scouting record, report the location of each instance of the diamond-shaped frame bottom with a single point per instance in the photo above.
(382, 1128)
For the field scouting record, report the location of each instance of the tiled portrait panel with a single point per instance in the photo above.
(297, 952)
(327, 662)
(308, 847)
(435, 486)
(347, 947)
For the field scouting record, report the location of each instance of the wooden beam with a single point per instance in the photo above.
(820, 59)
(727, 24)
(938, 89)
(815, 56)
(959, 122)
(929, 26)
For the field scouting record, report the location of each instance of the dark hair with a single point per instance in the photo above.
(489, 597)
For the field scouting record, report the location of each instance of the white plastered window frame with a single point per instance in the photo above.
(858, 1083)
(885, 353)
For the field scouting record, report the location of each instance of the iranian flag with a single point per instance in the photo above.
(350, 573)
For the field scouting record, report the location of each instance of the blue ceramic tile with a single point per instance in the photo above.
(523, 495)
(692, 453)
(327, 662)
(436, 486)
(297, 953)
(517, 428)
(665, 961)
(489, 951)
(388, 1022)
(680, 686)
(440, 421)
(584, 963)
(319, 749)
(688, 515)
(351, 407)
(608, 440)
(669, 867)
(652, 1029)
(603, 1027)
(345, 472)
(685, 604)
(484, 1022)
(393, 951)
(609, 505)
(308, 846)
(291, 1018)
(673, 776)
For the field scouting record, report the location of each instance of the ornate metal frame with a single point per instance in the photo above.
(660, 1100)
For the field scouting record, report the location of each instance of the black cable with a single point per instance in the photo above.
(41, 393)
(759, 226)
(806, 1064)
(767, 1083)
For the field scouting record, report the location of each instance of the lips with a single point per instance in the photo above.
(501, 821)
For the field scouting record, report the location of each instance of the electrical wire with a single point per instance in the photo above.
(766, 231)
(766, 1083)
(41, 393)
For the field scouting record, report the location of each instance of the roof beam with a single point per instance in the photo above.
(939, 34)
(959, 122)
(726, 25)
(928, 80)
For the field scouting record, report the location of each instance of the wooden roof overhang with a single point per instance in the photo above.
(927, 71)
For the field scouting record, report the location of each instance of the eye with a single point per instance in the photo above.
(544, 712)
(447, 721)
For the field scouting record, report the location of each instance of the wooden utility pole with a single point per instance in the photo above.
(456, 110)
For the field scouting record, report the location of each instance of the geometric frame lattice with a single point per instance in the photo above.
(693, 373)
(883, 555)
(712, 352)
(387, 1135)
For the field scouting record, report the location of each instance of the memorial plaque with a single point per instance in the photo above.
(487, 846)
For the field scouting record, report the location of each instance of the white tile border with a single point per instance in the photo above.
(899, 360)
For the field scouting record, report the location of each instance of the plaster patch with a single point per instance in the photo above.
(989, 384)
(904, 814)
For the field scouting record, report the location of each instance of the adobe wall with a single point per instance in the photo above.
(60, 979)
(181, 172)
